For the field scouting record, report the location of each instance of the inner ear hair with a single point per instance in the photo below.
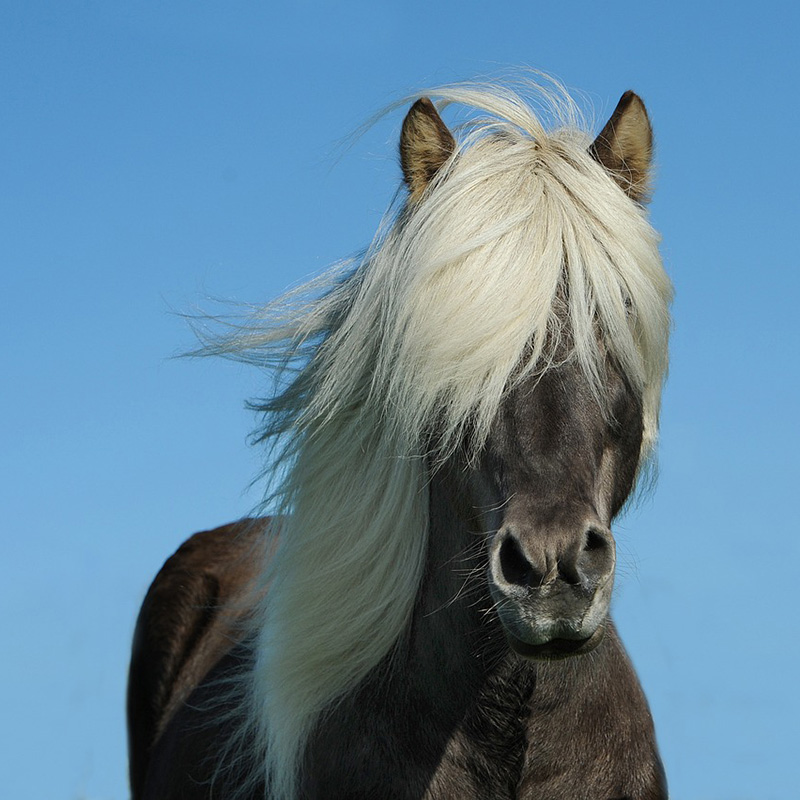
(425, 146)
(625, 147)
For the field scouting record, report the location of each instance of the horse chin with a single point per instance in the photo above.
(555, 649)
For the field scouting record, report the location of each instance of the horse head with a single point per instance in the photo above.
(562, 454)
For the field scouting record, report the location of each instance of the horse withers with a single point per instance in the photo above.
(462, 415)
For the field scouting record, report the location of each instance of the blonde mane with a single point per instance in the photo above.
(385, 362)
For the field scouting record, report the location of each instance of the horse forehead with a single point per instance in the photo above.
(551, 408)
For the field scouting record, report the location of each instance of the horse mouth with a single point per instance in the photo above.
(555, 649)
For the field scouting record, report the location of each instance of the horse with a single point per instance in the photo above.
(459, 416)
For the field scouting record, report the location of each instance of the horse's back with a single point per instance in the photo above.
(190, 621)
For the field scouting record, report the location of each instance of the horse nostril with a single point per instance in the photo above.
(596, 560)
(586, 559)
(594, 541)
(515, 567)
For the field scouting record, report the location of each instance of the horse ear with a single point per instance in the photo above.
(625, 147)
(425, 145)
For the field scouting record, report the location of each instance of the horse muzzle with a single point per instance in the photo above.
(552, 594)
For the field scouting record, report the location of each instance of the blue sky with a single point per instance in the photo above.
(157, 154)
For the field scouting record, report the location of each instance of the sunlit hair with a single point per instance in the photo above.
(521, 241)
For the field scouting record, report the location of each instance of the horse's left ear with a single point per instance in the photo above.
(625, 147)
(425, 145)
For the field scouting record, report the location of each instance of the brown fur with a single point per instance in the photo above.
(189, 619)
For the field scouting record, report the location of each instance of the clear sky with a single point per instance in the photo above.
(155, 154)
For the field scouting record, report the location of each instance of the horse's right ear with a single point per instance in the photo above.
(425, 145)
